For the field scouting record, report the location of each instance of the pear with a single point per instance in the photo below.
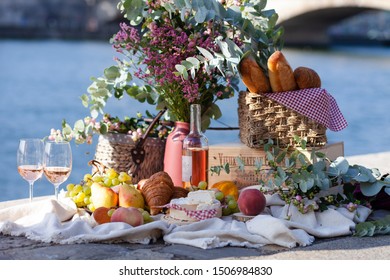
(129, 196)
(102, 196)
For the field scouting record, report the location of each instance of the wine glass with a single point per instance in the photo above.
(57, 163)
(30, 161)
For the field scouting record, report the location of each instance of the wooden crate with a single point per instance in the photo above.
(227, 153)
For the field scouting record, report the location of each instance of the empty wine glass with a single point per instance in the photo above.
(57, 163)
(30, 161)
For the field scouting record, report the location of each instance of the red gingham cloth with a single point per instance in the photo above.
(314, 103)
(196, 214)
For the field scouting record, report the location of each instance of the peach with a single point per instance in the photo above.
(251, 202)
(129, 215)
(101, 215)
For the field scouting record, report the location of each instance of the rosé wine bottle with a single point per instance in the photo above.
(195, 152)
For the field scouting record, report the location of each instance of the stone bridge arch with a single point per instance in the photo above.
(306, 22)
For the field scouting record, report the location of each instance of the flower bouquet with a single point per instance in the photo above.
(175, 53)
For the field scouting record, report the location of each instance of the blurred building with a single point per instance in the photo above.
(58, 18)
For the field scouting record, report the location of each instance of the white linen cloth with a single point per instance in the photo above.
(48, 220)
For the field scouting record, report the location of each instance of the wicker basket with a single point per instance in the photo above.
(261, 119)
(114, 151)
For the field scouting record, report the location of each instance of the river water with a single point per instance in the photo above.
(41, 82)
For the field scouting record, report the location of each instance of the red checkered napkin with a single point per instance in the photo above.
(314, 103)
(196, 214)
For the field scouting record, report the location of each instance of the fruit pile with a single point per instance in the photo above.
(112, 197)
(81, 193)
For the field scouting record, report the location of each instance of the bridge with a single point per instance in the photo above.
(307, 21)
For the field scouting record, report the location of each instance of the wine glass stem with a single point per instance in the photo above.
(31, 190)
(56, 187)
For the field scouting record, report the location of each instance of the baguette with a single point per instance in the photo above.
(307, 78)
(253, 76)
(280, 73)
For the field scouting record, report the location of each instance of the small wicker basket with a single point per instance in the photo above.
(141, 159)
(114, 151)
(261, 119)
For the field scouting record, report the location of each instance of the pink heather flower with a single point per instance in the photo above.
(351, 206)
(89, 139)
(298, 198)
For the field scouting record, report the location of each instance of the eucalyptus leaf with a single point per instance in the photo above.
(270, 156)
(365, 175)
(66, 130)
(258, 164)
(240, 163)
(104, 128)
(201, 14)
(112, 73)
(79, 126)
(85, 100)
(278, 181)
(338, 167)
(181, 68)
(371, 189)
(193, 62)
(208, 55)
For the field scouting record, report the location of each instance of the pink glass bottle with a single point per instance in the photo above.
(173, 152)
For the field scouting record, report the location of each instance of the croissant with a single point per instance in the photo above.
(179, 192)
(157, 191)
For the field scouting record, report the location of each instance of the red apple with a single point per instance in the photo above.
(251, 202)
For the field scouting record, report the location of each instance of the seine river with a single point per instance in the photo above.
(41, 82)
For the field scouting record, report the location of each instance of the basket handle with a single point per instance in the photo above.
(138, 152)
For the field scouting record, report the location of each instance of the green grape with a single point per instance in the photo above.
(80, 197)
(115, 182)
(87, 177)
(87, 190)
(232, 204)
(124, 177)
(110, 212)
(87, 200)
(73, 193)
(111, 174)
(80, 204)
(226, 211)
(91, 207)
(78, 188)
(229, 198)
(97, 178)
(69, 187)
(219, 196)
(236, 210)
(146, 216)
(202, 185)
(107, 182)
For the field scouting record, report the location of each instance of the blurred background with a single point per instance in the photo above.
(49, 50)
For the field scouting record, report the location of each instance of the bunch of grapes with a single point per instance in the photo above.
(228, 202)
(81, 193)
